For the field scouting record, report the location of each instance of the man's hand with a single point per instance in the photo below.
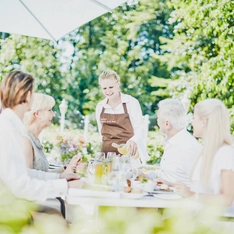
(69, 176)
(76, 184)
(132, 147)
(182, 190)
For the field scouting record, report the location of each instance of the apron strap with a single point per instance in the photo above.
(125, 108)
(103, 109)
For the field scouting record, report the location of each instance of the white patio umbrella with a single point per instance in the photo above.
(50, 19)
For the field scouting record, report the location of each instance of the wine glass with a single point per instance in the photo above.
(91, 167)
(116, 164)
(110, 156)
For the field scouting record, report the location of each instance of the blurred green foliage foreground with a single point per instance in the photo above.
(15, 218)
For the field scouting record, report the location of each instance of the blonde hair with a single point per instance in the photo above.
(40, 102)
(108, 74)
(216, 133)
(14, 89)
(172, 110)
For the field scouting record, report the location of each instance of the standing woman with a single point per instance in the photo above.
(119, 118)
(213, 175)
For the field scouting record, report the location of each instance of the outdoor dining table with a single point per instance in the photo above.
(73, 198)
(147, 201)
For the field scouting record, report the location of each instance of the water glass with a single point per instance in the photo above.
(110, 156)
(99, 156)
(116, 164)
(98, 172)
(91, 167)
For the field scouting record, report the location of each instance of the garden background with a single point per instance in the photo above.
(160, 49)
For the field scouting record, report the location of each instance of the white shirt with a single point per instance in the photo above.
(136, 118)
(23, 182)
(180, 154)
(223, 160)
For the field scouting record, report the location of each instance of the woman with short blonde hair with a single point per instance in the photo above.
(40, 102)
(36, 119)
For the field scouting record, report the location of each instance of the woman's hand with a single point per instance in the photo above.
(182, 189)
(132, 147)
(71, 167)
(69, 176)
(75, 160)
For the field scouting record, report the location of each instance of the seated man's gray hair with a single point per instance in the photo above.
(172, 110)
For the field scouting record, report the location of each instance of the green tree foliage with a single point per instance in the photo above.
(41, 58)
(200, 55)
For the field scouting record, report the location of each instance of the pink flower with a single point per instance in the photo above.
(64, 141)
(73, 143)
(80, 138)
(85, 144)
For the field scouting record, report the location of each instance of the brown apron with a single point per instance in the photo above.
(116, 128)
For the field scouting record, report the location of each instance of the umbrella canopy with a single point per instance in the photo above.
(50, 19)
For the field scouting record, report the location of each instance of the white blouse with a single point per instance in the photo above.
(223, 160)
(23, 182)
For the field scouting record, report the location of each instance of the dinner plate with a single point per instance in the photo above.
(92, 193)
(132, 195)
(168, 196)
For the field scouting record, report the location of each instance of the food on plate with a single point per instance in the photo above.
(166, 188)
(127, 189)
(144, 180)
(139, 178)
(159, 183)
(137, 190)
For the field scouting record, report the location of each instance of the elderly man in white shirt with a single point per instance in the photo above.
(16, 93)
(181, 149)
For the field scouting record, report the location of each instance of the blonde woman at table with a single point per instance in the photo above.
(120, 119)
(212, 179)
(38, 118)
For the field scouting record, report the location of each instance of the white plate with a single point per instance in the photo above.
(132, 195)
(92, 193)
(168, 196)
